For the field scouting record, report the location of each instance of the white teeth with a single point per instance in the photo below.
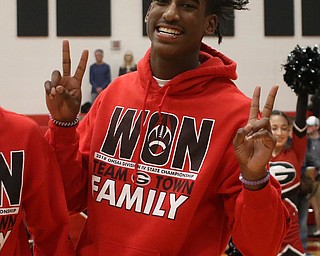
(169, 31)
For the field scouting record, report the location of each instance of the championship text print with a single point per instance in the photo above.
(152, 172)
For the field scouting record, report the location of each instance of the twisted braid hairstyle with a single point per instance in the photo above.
(222, 9)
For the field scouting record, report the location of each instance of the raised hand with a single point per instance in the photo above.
(254, 143)
(63, 93)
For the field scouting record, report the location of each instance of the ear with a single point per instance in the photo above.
(211, 24)
(147, 15)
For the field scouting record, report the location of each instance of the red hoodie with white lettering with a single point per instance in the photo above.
(156, 168)
(32, 195)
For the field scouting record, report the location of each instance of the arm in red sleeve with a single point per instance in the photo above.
(258, 220)
(72, 162)
(261, 220)
(44, 204)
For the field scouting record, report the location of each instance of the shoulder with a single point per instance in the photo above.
(14, 117)
(232, 105)
(18, 122)
(127, 77)
(230, 94)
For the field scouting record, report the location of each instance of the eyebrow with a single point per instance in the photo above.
(197, 1)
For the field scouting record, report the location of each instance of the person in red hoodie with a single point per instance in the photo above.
(171, 159)
(32, 195)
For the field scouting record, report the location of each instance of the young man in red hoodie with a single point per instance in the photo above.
(161, 161)
(32, 195)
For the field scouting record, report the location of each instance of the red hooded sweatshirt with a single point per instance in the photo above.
(32, 195)
(156, 168)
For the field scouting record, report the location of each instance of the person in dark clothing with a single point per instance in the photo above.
(100, 75)
(128, 64)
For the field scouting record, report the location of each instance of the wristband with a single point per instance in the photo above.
(64, 124)
(254, 182)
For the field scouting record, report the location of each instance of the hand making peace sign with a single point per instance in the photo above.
(63, 93)
(254, 143)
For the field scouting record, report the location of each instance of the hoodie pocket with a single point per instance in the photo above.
(109, 248)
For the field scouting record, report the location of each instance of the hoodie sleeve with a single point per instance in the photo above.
(72, 146)
(44, 204)
(258, 220)
(72, 152)
(262, 216)
(65, 141)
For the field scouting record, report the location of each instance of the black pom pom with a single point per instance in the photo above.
(303, 70)
(232, 250)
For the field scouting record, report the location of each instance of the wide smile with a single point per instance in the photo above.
(169, 32)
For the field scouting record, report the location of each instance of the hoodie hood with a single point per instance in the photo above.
(213, 65)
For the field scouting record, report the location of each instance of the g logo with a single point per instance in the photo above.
(142, 179)
(284, 172)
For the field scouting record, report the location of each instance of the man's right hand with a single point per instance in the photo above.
(63, 93)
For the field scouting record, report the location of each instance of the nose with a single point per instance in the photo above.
(171, 12)
(277, 132)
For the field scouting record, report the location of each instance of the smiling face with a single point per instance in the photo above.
(176, 27)
(280, 129)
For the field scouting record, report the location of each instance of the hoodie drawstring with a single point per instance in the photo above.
(140, 140)
(160, 122)
(143, 128)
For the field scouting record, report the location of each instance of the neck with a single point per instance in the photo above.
(167, 67)
(277, 151)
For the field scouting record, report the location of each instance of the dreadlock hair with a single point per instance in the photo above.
(223, 8)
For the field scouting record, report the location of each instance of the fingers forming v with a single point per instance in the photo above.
(268, 107)
(66, 61)
(82, 66)
(254, 109)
